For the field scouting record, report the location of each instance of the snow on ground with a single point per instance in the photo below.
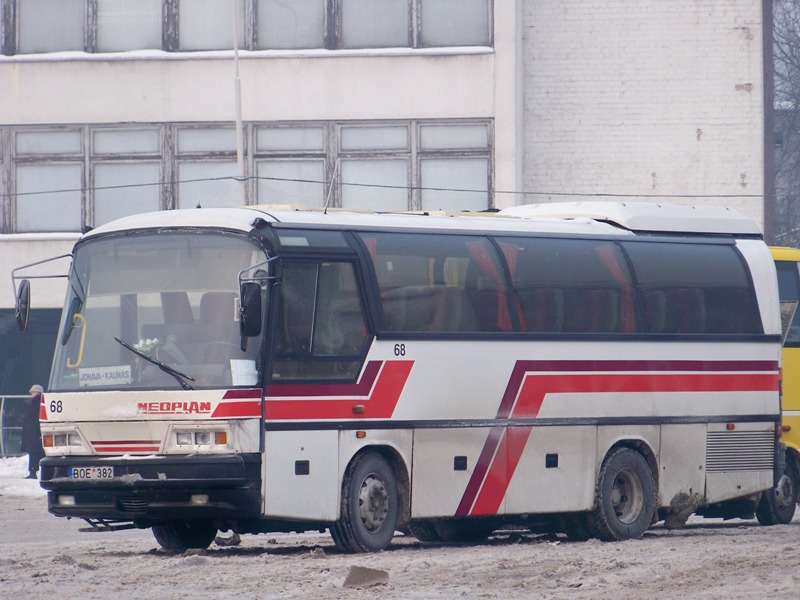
(42, 556)
(12, 479)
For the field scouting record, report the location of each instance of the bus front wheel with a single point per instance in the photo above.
(369, 505)
(625, 498)
(179, 536)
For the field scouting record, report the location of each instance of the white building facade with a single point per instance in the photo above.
(112, 107)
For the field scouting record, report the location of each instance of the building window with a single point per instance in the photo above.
(375, 23)
(290, 165)
(61, 180)
(126, 173)
(455, 23)
(207, 25)
(49, 197)
(297, 24)
(50, 25)
(128, 25)
(48, 180)
(207, 168)
(119, 190)
(375, 184)
(291, 182)
(454, 183)
(34, 26)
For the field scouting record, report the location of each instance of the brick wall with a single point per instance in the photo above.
(637, 97)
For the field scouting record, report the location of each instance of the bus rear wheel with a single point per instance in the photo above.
(179, 536)
(777, 505)
(625, 498)
(369, 506)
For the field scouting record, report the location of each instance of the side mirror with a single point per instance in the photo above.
(22, 308)
(250, 309)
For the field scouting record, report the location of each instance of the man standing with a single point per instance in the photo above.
(31, 434)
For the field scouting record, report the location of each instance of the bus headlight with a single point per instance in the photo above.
(61, 440)
(201, 437)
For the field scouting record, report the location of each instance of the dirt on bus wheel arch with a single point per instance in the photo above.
(44, 556)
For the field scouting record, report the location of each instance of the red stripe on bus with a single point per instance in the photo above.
(526, 392)
(481, 467)
(128, 449)
(115, 442)
(42, 410)
(361, 388)
(380, 403)
(248, 394)
(523, 369)
(227, 410)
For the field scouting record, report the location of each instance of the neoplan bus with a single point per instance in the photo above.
(262, 370)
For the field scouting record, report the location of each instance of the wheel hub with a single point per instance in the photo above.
(627, 496)
(373, 502)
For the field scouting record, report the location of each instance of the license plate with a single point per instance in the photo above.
(91, 472)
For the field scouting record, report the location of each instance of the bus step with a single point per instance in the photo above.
(101, 525)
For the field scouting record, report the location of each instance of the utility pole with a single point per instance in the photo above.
(237, 92)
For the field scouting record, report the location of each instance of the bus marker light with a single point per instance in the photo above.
(786, 428)
(47, 441)
(66, 500)
(198, 499)
(221, 438)
(359, 409)
(361, 434)
(730, 426)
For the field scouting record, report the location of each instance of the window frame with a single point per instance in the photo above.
(170, 157)
(170, 36)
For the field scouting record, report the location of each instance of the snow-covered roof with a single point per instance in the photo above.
(646, 216)
(582, 218)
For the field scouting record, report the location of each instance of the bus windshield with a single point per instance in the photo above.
(156, 311)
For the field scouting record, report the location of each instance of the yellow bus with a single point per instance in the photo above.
(780, 506)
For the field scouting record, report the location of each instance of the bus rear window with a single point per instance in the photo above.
(694, 288)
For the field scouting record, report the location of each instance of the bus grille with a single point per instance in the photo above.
(132, 505)
(740, 451)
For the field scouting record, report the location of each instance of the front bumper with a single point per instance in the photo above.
(154, 489)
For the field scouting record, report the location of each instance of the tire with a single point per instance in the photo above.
(369, 505)
(179, 536)
(424, 531)
(625, 497)
(777, 505)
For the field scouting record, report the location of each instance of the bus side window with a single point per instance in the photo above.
(438, 284)
(709, 294)
(685, 311)
(655, 310)
(542, 309)
(577, 286)
(321, 329)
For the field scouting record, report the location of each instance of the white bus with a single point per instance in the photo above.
(261, 370)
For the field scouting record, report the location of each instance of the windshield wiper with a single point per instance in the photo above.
(180, 377)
